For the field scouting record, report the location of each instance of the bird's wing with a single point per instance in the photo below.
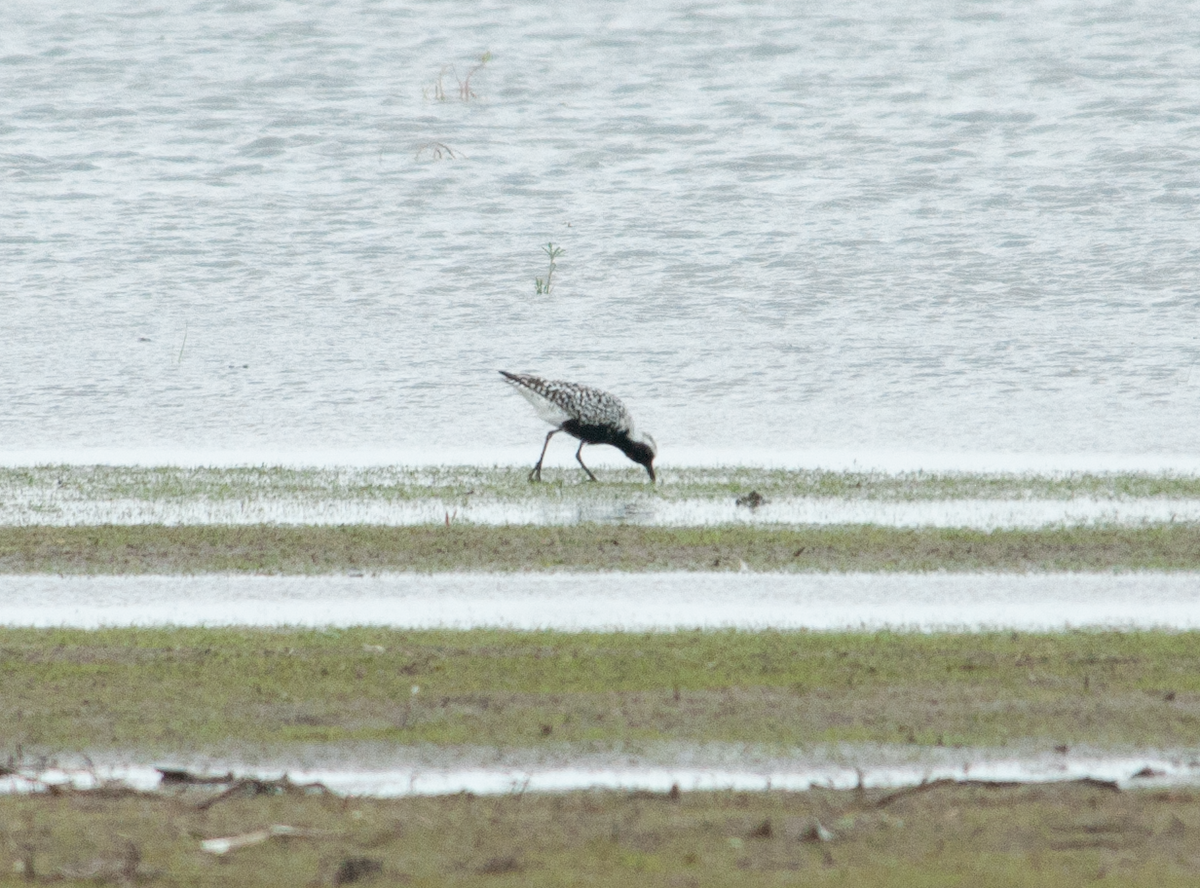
(556, 401)
(596, 407)
(535, 392)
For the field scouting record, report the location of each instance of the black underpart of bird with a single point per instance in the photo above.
(589, 414)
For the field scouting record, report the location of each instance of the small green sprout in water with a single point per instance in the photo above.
(543, 285)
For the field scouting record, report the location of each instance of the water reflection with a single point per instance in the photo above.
(49, 508)
(645, 601)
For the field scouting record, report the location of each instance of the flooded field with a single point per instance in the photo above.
(603, 601)
(286, 227)
(628, 509)
(857, 243)
(698, 496)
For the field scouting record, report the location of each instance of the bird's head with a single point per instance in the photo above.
(642, 450)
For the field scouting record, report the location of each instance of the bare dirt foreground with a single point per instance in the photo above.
(201, 689)
(941, 833)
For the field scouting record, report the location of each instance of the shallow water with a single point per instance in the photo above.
(985, 514)
(492, 772)
(788, 227)
(407, 495)
(577, 602)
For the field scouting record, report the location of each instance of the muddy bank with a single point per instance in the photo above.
(158, 549)
(270, 834)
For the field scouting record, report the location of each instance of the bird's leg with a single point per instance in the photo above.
(579, 456)
(537, 470)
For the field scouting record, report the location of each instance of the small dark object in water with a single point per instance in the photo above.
(1148, 772)
(354, 869)
(181, 777)
(252, 786)
(752, 500)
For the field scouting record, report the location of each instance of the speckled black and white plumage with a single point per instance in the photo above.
(589, 414)
(557, 401)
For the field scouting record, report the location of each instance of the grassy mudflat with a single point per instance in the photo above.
(115, 549)
(945, 835)
(201, 689)
(452, 483)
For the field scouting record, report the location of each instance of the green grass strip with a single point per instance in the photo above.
(204, 689)
(117, 549)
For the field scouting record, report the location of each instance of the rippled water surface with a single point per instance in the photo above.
(257, 227)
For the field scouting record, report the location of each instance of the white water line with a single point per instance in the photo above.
(622, 601)
(1150, 768)
(47, 507)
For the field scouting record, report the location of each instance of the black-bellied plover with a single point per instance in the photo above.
(586, 413)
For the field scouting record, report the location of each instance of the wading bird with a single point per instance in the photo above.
(586, 413)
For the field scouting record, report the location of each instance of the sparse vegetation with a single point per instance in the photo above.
(452, 545)
(393, 483)
(464, 86)
(987, 835)
(543, 284)
(211, 690)
(465, 93)
(435, 150)
(439, 88)
(984, 835)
